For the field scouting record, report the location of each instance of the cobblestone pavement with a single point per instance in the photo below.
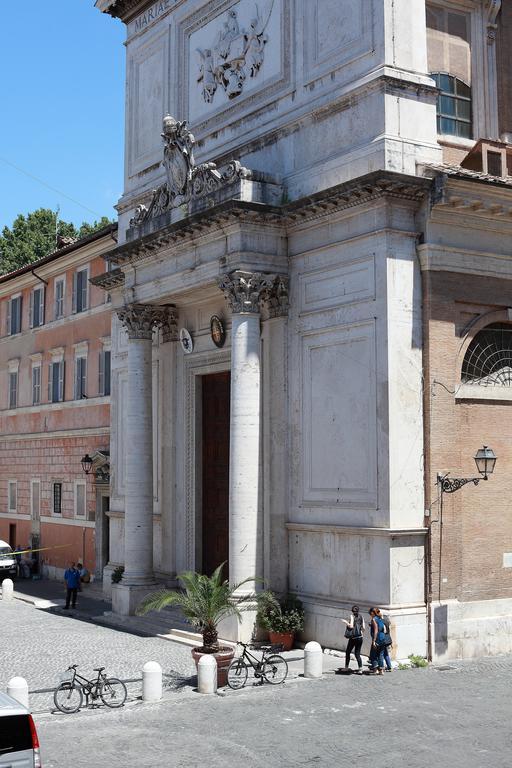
(415, 719)
(39, 645)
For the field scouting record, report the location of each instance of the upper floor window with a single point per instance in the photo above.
(56, 382)
(80, 378)
(36, 310)
(453, 106)
(104, 372)
(36, 384)
(488, 359)
(80, 290)
(58, 309)
(14, 306)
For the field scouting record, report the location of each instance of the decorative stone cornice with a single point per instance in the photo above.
(141, 319)
(249, 292)
(109, 280)
(119, 9)
(374, 186)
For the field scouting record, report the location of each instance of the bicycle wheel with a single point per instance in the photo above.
(113, 692)
(237, 674)
(275, 669)
(68, 698)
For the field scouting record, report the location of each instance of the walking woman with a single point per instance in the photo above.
(354, 633)
(378, 633)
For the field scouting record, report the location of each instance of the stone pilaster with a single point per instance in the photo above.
(140, 321)
(245, 293)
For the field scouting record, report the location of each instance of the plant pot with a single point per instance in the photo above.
(223, 657)
(285, 638)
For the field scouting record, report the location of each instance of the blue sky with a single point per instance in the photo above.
(61, 108)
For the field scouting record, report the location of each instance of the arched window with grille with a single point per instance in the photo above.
(453, 106)
(488, 359)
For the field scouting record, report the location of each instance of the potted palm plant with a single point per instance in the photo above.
(205, 601)
(282, 619)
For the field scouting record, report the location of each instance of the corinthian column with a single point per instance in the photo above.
(245, 291)
(139, 321)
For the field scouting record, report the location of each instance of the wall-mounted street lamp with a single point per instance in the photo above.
(485, 460)
(86, 462)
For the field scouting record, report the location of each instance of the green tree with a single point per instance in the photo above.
(34, 236)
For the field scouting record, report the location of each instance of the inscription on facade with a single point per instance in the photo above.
(156, 10)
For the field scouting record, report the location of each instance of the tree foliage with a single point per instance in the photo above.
(34, 236)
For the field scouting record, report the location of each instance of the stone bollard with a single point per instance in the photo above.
(151, 681)
(17, 688)
(207, 674)
(7, 589)
(313, 663)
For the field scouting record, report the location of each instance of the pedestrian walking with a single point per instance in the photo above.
(354, 634)
(72, 579)
(387, 659)
(17, 555)
(380, 639)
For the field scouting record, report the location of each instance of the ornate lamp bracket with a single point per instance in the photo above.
(452, 484)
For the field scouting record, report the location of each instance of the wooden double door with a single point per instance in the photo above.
(215, 471)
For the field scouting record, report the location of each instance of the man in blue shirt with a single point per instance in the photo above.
(72, 579)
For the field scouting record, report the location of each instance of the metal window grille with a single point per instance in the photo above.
(488, 360)
(57, 498)
(13, 389)
(13, 496)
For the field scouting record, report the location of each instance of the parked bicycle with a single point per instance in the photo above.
(270, 667)
(69, 696)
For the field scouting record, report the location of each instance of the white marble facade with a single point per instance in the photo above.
(328, 104)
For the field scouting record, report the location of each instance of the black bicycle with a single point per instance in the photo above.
(69, 696)
(270, 667)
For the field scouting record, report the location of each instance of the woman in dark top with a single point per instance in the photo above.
(356, 627)
(378, 633)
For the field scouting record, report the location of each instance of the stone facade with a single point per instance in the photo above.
(46, 425)
(301, 178)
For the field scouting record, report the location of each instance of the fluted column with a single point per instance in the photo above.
(245, 292)
(140, 321)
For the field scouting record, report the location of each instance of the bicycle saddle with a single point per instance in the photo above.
(98, 669)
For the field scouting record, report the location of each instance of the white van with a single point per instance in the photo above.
(7, 562)
(19, 745)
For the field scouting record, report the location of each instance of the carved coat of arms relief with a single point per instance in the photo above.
(236, 54)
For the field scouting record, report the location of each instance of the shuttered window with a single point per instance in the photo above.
(56, 382)
(36, 384)
(104, 372)
(13, 389)
(80, 378)
(36, 310)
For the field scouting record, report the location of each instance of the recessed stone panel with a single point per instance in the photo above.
(339, 417)
(330, 288)
(336, 33)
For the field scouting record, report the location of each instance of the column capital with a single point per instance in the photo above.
(248, 292)
(141, 319)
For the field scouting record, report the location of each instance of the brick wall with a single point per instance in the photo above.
(467, 555)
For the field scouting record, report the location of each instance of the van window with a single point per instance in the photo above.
(15, 734)
(5, 551)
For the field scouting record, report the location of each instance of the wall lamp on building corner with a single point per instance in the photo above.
(485, 459)
(86, 463)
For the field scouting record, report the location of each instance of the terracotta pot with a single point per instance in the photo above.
(285, 638)
(223, 657)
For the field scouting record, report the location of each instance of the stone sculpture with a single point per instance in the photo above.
(235, 55)
(185, 179)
